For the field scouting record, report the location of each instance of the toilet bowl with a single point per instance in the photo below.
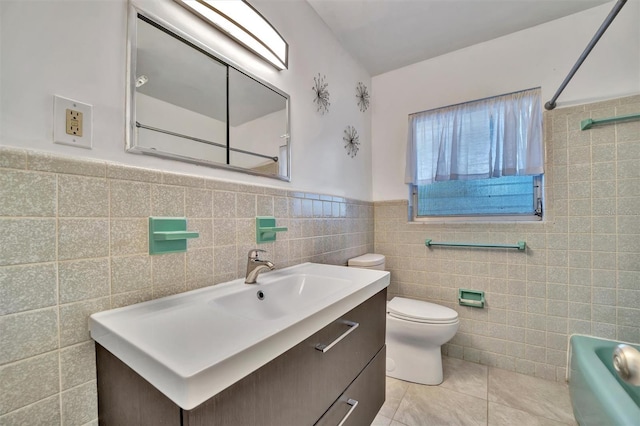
(416, 331)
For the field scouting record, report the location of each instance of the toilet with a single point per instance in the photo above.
(416, 331)
(368, 261)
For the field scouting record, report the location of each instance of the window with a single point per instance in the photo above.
(481, 159)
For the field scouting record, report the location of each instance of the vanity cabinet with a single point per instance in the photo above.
(303, 386)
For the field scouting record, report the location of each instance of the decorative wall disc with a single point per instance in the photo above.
(351, 141)
(322, 94)
(362, 93)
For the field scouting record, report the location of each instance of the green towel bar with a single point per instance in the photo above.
(590, 122)
(521, 245)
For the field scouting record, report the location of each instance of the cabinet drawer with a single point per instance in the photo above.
(360, 403)
(336, 368)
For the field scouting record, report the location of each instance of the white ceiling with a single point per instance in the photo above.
(384, 35)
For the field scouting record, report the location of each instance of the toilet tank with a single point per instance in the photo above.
(368, 261)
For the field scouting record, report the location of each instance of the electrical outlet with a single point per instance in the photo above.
(72, 124)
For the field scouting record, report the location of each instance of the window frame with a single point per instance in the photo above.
(537, 216)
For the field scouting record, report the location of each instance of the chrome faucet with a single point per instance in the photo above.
(255, 265)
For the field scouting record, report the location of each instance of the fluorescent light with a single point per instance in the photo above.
(245, 25)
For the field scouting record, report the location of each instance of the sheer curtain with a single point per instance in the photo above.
(499, 136)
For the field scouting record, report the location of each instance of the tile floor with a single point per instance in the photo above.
(474, 394)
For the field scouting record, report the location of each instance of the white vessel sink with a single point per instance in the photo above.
(193, 345)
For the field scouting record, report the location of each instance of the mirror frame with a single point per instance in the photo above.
(131, 145)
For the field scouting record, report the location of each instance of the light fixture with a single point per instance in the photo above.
(244, 24)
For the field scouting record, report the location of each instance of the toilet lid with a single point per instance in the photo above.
(367, 260)
(420, 311)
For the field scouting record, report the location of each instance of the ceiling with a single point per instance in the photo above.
(384, 35)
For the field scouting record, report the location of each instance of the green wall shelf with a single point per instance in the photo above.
(169, 235)
(266, 229)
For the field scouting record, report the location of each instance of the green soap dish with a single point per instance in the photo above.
(169, 235)
(266, 229)
(473, 298)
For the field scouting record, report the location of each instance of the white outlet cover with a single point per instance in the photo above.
(60, 106)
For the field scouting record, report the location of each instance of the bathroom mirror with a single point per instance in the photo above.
(187, 103)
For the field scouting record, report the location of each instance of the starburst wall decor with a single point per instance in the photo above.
(351, 141)
(322, 94)
(362, 94)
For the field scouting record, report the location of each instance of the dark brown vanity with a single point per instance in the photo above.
(344, 384)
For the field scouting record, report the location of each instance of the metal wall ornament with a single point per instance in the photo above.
(351, 141)
(362, 94)
(322, 94)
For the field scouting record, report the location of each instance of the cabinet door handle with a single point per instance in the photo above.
(324, 348)
(353, 403)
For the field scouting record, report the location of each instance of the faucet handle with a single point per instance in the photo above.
(255, 253)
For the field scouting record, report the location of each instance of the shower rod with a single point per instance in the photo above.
(616, 8)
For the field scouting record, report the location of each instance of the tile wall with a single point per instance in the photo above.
(75, 242)
(580, 272)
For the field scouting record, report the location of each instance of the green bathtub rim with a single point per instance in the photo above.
(597, 395)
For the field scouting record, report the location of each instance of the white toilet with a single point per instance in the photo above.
(416, 330)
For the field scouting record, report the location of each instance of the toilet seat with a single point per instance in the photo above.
(421, 311)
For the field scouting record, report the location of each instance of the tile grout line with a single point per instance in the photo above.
(487, 395)
(617, 274)
(400, 403)
(57, 268)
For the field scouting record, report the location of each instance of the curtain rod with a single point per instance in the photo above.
(475, 100)
(616, 8)
(219, 145)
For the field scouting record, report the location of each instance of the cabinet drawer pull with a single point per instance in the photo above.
(324, 348)
(353, 403)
